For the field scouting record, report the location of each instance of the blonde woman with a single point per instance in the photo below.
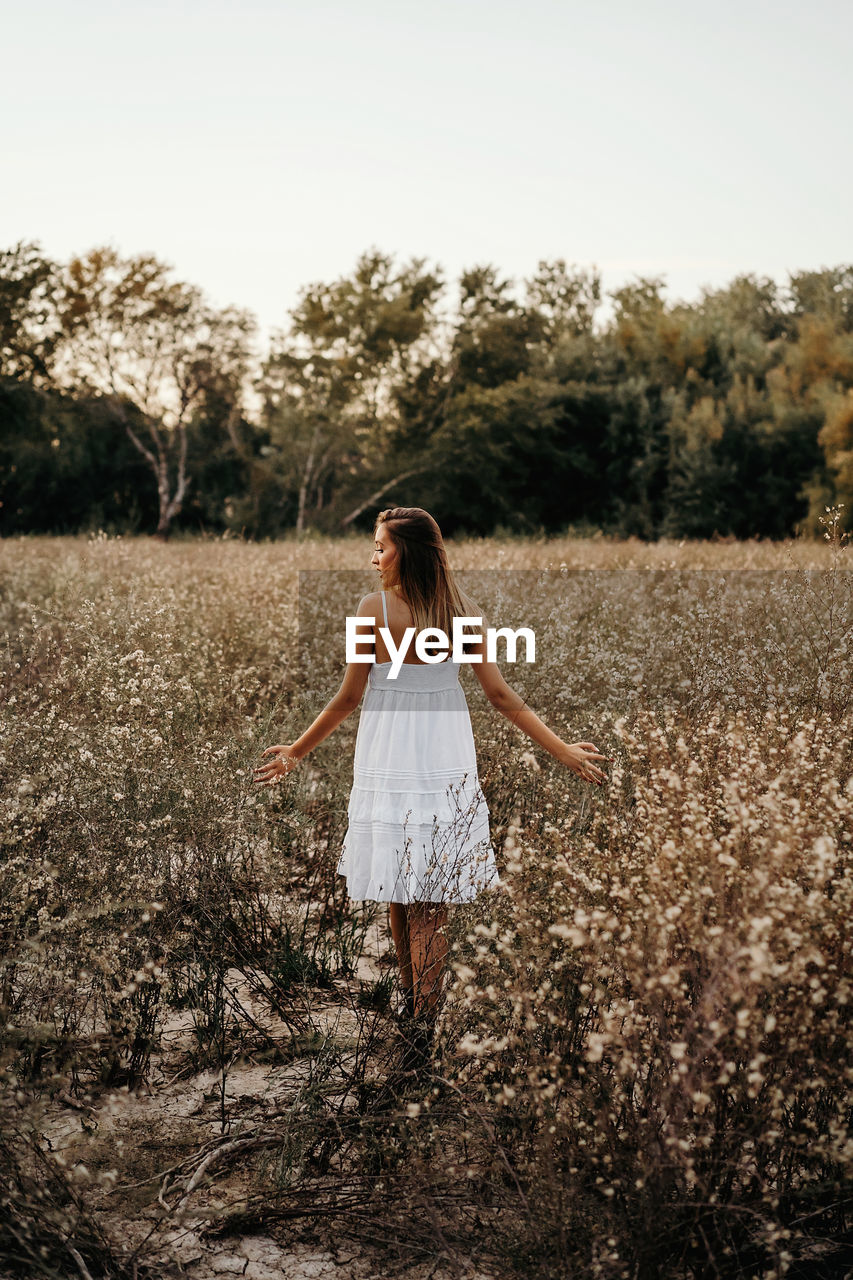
(418, 833)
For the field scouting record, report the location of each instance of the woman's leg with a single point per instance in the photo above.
(428, 950)
(400, 934)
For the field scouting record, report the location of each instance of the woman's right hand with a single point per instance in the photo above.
(577, 756)
(284, 760)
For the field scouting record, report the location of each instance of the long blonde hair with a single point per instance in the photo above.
(425, 577)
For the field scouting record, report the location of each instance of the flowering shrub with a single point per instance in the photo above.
(644, 1064)
(661, 1007)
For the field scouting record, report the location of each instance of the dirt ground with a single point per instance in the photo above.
(154, 1137)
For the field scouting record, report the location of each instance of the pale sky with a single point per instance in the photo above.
(262, 145)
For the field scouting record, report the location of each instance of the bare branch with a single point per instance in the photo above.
(141, 447)
(378, 493)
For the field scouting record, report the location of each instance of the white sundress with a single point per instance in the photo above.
(418, 819)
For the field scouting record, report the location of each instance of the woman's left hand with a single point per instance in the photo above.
(284, 760)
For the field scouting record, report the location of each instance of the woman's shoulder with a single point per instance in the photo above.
(373, 600)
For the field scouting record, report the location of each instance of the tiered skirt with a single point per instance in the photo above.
(418, 820)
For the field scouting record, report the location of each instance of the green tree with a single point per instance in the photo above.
(495, 334)
(329, 386)
(28, 319)
(564, 299)
(494, 445)
(826, 294)
(135, 336)
(66, 464)
(813, 380)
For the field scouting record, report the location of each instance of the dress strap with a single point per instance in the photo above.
(385, 610)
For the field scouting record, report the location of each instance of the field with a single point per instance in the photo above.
(644, 1064)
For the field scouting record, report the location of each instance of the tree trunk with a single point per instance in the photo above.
(161, 533)
(307, 477)
(169, 505)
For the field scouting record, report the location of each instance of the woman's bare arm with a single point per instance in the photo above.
(577, 756)
(286, 756)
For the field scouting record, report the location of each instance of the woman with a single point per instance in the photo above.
(418, 834)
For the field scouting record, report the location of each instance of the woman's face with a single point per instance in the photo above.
(384, 557)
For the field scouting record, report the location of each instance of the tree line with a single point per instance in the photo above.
(129, 403)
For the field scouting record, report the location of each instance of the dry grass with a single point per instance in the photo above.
(644, 1065)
